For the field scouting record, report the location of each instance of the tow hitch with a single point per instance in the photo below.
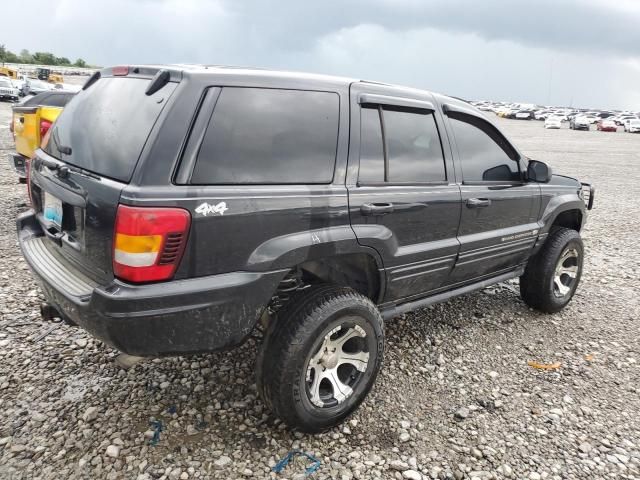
(48, 312)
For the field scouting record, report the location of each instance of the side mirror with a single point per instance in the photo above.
(538, 172)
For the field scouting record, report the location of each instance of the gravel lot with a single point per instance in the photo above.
(455, 399)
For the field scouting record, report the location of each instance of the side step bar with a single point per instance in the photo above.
(395, 310)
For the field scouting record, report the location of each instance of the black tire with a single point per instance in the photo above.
(287, 362)
(538, 285)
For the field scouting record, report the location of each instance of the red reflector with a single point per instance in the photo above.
(120, 71)
(148, 242)
(45, 125)
(27, 169)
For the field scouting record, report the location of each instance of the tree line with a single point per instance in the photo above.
(38, 58)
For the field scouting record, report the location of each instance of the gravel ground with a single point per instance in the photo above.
(456, 397)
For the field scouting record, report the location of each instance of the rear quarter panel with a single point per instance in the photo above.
(263, 227)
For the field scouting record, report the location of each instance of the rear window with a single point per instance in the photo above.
(58, 100)
(267, 136)
(39, 99)
(48, 100)
(107, 125)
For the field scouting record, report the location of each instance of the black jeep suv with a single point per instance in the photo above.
(176, 209)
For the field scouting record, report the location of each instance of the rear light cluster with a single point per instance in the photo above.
(149, 242)
(45, 125)
(45, 136)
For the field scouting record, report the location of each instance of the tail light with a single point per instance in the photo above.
(45, 125)
(148, 242)
(45, 138)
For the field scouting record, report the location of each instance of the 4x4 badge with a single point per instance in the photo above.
(205, 209)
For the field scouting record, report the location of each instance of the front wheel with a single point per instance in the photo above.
(320, 357)
(553, 274)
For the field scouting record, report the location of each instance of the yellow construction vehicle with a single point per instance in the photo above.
(8, 72)
(46, 75)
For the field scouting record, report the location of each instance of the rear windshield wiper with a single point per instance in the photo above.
(49, 164)
(63, 149)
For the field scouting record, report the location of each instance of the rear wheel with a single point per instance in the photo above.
(553, 274)
(320, 357)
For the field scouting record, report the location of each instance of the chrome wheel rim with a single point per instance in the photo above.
(334, 370)
(566, 272)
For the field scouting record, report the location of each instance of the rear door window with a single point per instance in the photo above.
(371, 147)
(107, 125)
(411, 143)
(269, 136)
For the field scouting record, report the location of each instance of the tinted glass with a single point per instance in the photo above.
(371, 151)
(58, 100)
(482, 158)
(39, 99)
(107, 125)
(269, 136)
(413, 147)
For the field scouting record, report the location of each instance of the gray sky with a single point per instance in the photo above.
(580, 52)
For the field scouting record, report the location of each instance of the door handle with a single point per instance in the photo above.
(478, 202)
(375, 209)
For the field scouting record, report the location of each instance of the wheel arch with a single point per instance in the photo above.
(566, 210)
(330, 255)
(572, 219)
(359, 271)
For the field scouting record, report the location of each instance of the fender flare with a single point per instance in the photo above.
(558, 205)
(287, 251)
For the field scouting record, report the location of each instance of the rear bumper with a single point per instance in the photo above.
(182, 316)
(18, 163)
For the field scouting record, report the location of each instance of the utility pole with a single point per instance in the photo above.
(550, 79)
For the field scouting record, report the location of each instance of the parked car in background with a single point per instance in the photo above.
(632, 126)
(622, 118)
(30, 122)
(542, 114)
(8, 90)
(22, 84)
(523, 115)
(607, 125)
(579, 122)
(553, 122)
(38, 86)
